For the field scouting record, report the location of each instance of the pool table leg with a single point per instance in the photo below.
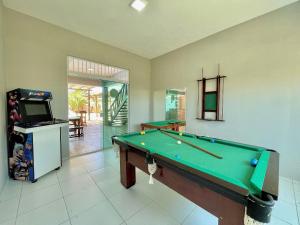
(232, 213)
(127, 170)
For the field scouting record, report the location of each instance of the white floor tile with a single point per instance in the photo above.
(116, 166)
(68, 171)
(296, 181)
(96, 165)
(83, 200)
(12, 189)
(286, 190)
(129, 202)
(151, 190)
(297, 197)
(152, 215)
(39, 198)
(200, 216)
(286, 212)
(104, 174)
(276, 221)
(102, 213)
(54, 213)
(8, 209)
(143, 178)
(76, 184)
(176, 205)
(109, 153)
(285, 179)
(73, 162)
(297, 186)
(298, 209)
(43, 182)
(111, 187)
(115, 161)
(85, 159)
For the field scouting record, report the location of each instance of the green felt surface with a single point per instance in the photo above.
(165, 122)
(234, 167)
(210, 101)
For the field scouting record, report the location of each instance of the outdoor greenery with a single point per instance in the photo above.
(77, 100)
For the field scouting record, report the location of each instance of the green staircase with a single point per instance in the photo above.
(118, 111)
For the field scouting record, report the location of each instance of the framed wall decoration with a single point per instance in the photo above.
(211, 97)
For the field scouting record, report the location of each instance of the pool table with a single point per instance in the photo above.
(164, 124)
(227, 186)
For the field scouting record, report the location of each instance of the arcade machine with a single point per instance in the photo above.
(34, 136)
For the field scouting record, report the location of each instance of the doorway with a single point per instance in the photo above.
(98, 105)
(85, 115)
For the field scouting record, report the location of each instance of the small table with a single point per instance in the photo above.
(228, 187)
(165, 124)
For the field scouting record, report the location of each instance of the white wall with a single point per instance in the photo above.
(262, 61)
(3, 158)
(36, 57)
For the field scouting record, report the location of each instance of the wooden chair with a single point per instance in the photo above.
(83, 117)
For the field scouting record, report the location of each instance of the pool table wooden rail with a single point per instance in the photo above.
(172, 126)
(272, 176)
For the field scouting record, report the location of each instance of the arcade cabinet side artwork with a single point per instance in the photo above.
(20, 146)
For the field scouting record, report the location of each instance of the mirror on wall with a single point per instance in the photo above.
(175, 104)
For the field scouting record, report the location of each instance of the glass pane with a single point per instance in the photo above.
(175, 104)
(115, 110)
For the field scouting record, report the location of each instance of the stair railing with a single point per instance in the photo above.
(119, 101)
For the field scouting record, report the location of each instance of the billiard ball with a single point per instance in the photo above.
(179, 142)
(253, 162)
(142, 143)
(180, 134)
(142, 132)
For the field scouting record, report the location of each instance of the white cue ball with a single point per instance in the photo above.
(179, 142)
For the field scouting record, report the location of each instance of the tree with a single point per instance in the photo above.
(77, 100)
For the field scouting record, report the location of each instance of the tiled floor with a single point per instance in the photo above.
(95, 137)
(87, 191)
(90, 142)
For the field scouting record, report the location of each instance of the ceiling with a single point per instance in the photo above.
(163, 26)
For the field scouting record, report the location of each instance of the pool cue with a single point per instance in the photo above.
(195, 146)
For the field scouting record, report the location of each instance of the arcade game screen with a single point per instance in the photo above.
(36, 108)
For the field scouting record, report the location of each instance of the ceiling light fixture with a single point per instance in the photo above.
(138, 5)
